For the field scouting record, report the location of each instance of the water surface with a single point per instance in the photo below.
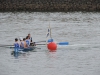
(80, 57)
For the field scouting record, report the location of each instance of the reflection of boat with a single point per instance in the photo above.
(22, 51)
(16, 54)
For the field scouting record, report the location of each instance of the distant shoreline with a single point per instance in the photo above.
(50, 6)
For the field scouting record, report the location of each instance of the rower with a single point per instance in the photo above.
(27, 41)
(29, 35)
(16, 44)
(31, 42)
(24, 43)
(21, 42)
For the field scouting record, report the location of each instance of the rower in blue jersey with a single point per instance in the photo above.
(27, 41)
(16, 44)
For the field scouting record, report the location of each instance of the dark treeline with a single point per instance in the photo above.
(50, 5)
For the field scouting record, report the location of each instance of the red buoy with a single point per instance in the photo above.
(52, 46)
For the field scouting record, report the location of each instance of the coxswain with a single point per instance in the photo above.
(31, 41)
(30, 38)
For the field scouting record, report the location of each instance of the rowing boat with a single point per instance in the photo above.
(24, 49)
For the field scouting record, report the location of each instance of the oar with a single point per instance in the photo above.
(40, 44)
(60, 43)
(39, 41)
(5, 45)
(63, 43)
(13, 45)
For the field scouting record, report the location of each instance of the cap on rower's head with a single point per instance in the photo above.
(20, 38)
